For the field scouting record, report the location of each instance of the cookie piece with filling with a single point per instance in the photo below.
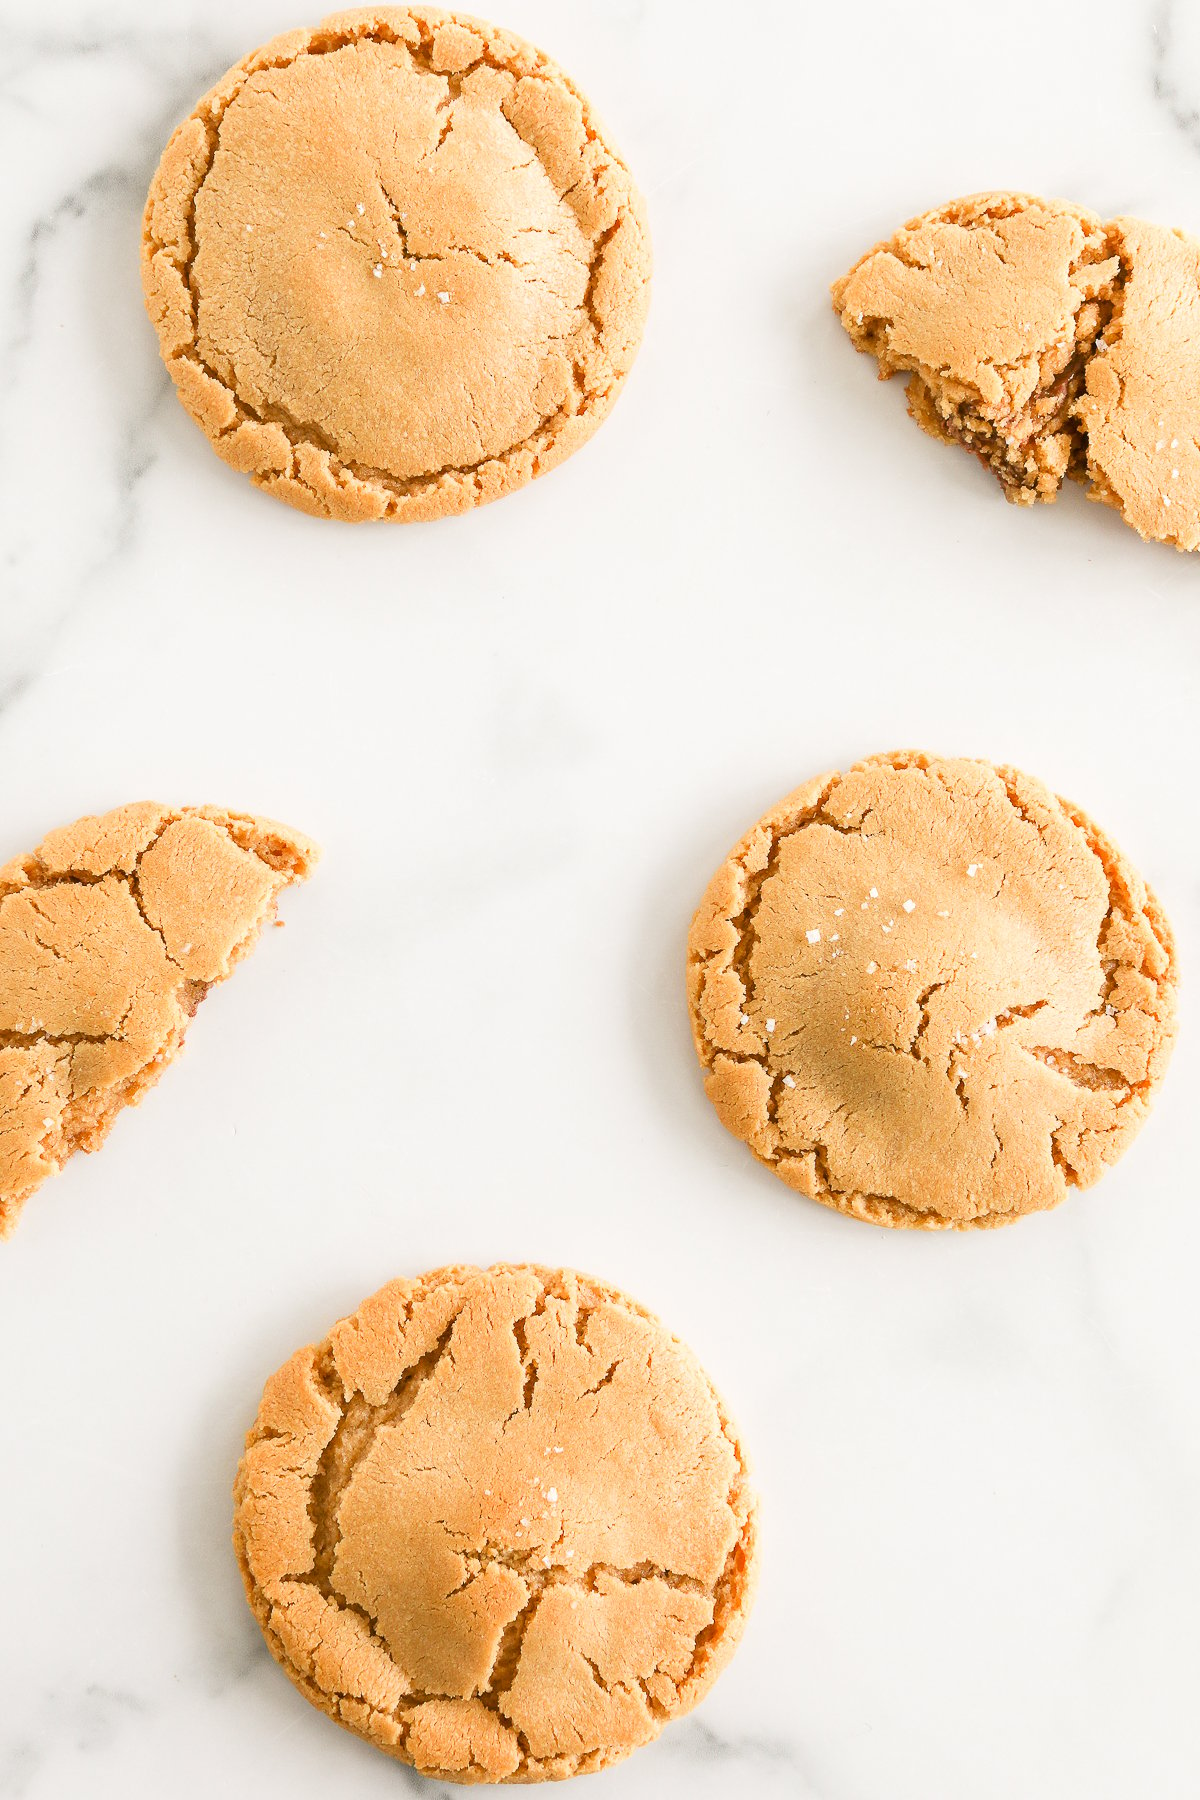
(1050, 343)
(931, 993)
(111, 933)
(395, 266)
(498, 1523)
(991, 305)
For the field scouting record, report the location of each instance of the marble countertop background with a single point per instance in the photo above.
(525, 738)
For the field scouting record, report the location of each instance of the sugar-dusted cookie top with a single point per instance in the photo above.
(928, 992)
(395, 267)
(1048, 342)
(498, 1523)
(1141, 410)
(111, 933)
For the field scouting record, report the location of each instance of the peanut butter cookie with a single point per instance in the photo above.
(111, 933)
(395, 267)
(497, 1523)
(1141, 408)
(1050, 343)
(930, 993)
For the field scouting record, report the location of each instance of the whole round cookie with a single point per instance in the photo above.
(931, 993)
(395, 268)
(497, 1523)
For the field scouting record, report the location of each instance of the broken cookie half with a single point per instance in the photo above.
(1050, 343)
(111, 933)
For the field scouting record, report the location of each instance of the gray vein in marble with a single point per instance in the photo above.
(15, 688)
(85, 1720)
(27, 51)
(767, 1761)
(87, 234)
(33, 609)
(1184, 111)
(71, 206)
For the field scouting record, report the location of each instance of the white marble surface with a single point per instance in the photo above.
(524, 739)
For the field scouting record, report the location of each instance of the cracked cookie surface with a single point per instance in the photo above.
(1141, 408)
(1048, 342)
(395, 268)
(498, 1523)
(111, 933)
(931, 993)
